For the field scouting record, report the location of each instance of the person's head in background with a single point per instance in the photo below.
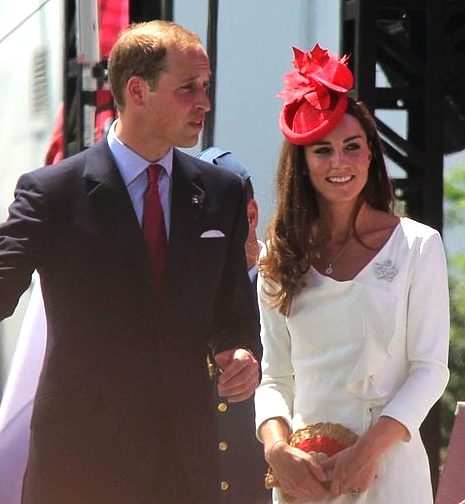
(226, 160)
(159, 75)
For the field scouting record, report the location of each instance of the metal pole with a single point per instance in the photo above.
(208, 137)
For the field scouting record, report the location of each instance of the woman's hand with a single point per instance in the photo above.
(299, 475)
(351, 471)
(354, 469)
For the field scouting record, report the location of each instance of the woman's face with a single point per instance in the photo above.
(338, 163)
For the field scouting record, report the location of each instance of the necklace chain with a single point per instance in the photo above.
(330, 268)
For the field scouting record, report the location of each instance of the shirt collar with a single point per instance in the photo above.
(131, 164)
(253, 272)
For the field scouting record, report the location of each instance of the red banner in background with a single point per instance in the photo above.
(113, 17)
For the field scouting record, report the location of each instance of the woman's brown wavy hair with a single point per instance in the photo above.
(289, 233)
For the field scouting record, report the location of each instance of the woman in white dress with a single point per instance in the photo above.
(353, 302)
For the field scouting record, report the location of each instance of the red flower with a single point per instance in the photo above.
(316, 72)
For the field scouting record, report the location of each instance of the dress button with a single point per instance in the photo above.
(223, 446)
(224, 486)
(222, 407)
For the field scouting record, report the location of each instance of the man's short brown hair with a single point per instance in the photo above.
(141, 51)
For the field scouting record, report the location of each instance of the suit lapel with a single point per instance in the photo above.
(113, 207)
(187, 203)
(188, 200)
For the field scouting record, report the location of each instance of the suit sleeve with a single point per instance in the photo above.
(235, 315)
(21, 242)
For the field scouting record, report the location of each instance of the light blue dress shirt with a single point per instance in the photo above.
(132, 168)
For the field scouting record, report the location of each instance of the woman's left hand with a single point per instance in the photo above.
(354, 469)
(349, 472)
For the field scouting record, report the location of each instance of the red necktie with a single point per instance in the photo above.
(153, 227)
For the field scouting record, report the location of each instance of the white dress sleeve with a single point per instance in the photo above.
(275, 395)
(427, 338)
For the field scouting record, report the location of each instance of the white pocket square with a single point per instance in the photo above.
(212, 233)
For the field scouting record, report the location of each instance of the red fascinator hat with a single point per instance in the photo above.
(315, 95)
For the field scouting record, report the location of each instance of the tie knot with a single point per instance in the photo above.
(153, 172)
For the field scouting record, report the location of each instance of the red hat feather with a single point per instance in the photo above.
(315, 95)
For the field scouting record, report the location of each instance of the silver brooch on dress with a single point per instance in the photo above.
(386, 270)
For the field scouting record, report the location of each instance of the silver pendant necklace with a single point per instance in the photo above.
(330, 268)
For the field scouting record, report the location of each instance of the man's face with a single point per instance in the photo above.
(177, 107)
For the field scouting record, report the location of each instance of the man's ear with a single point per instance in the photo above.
(252, 213)
(135, 90)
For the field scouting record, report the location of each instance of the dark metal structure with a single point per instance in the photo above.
(208, 136)
(419, 45)
(72, 86)
(143, 10)
(83, 74)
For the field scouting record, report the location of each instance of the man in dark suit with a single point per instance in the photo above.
(242, 463)
(124, 409)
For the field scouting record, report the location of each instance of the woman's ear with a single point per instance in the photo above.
(370, 147)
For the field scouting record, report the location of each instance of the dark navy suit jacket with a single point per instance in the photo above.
(124, 408)
(242, 463)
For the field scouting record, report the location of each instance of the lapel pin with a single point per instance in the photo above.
(197, 201)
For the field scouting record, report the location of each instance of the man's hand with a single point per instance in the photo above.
(239, 377)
